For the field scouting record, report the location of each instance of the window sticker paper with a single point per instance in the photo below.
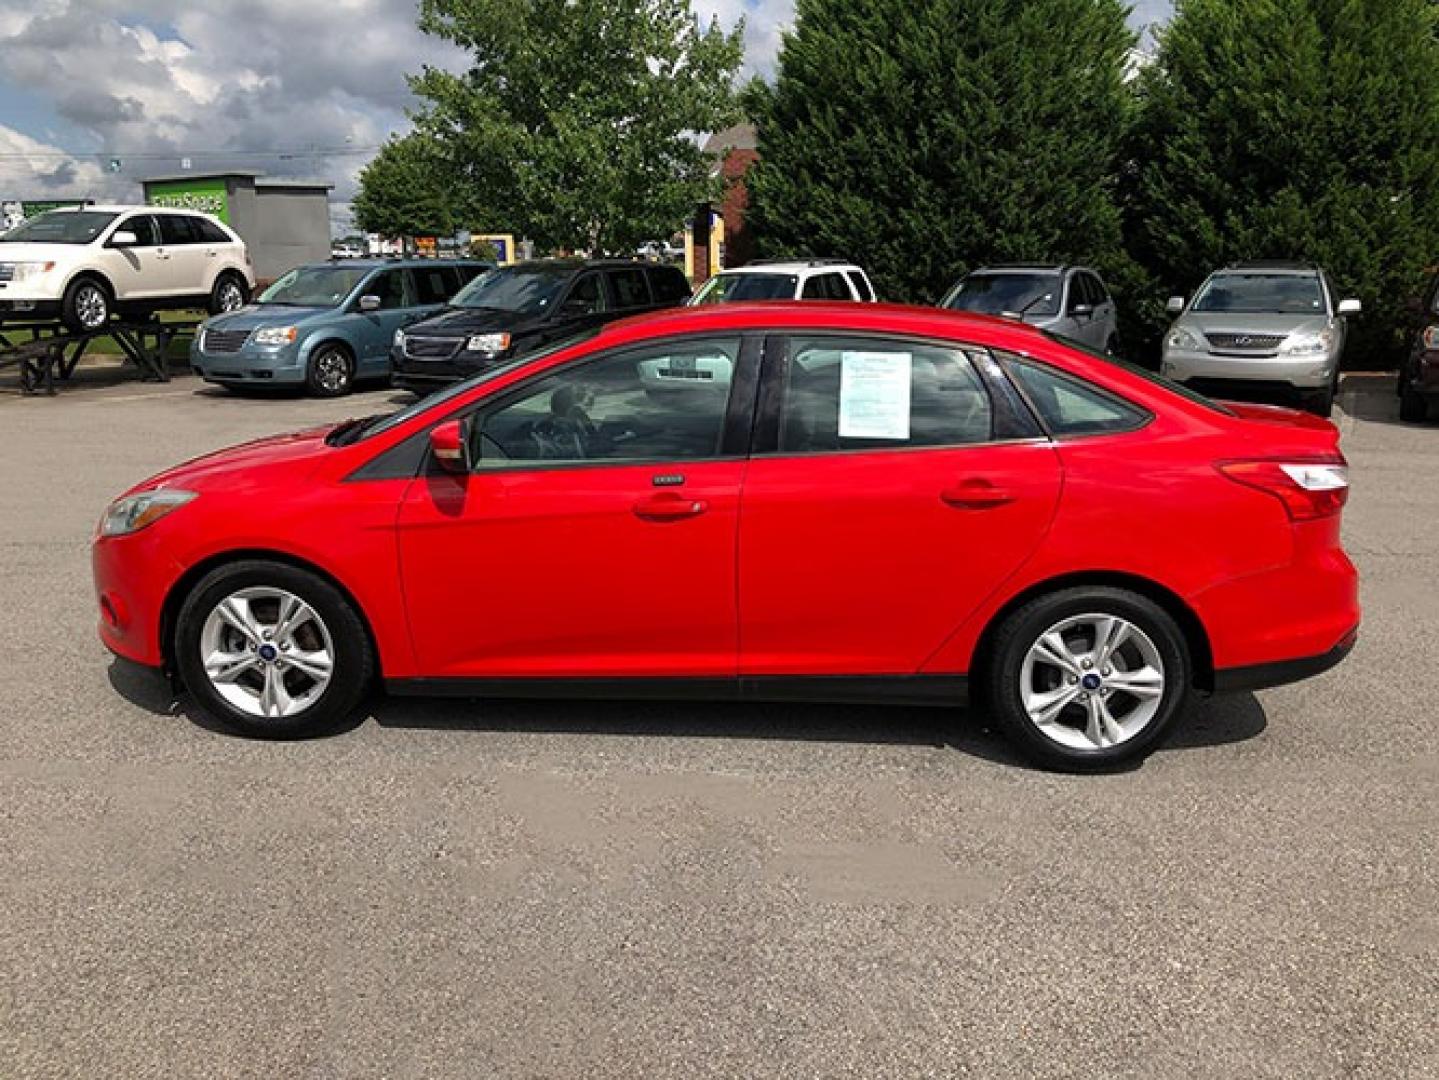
(874, 395)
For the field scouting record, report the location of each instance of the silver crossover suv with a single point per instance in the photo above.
(1260, 326)
(1067, 300)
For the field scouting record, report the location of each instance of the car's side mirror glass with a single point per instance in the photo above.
(1175, 305)
(369, 302)
(448, 445)
(123, 238)
(1350, 307)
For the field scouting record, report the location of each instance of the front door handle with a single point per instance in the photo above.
(975, 495)
(669, 507)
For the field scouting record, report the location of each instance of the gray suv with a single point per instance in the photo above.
(1067, 300)
(1267, 327)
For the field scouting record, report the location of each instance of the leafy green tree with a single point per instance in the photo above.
(575, 122)
(1303, 129)
(925, 139)
(408, 190)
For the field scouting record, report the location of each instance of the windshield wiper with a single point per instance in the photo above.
(348, 431)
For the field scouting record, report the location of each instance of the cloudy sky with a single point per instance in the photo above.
(282, 86)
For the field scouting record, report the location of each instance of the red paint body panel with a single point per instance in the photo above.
(826, 564)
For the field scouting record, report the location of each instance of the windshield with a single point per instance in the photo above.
(378, 424)
(60, 227)
(1144, 373)
(524, 290)
(1262, 294)
(999, 294)
(314, 286)
(730, 288)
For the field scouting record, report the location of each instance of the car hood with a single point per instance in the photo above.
(458, 322)
(38, 252)
(254, 316)
(239, 467)
(1221, 322)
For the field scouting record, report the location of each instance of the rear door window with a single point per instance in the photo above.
(629, 287)
(668, 284)
(435, 284)
(861, 393)
(210, 233)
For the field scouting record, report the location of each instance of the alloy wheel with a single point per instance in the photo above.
(267, 652)
(332, 371)
(231, 298)
(91, 307)
(1092, 682)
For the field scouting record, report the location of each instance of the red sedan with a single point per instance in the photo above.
(819, 502)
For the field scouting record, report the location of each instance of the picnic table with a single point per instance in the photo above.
(47, 353)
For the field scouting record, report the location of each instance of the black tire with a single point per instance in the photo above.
(353, 659)
(331, 371)
(87, 305)
(1413, 407)
(1001, 676)
(227, 287)
(1322, 403)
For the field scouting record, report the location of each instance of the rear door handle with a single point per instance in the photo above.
(669, 507)
(975, 495)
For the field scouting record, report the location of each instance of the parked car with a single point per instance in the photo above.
(787, 279)
(1271, 327)
(326, 325)
(519, 308)
(919, 496)
(1418, 382)
(82, 265)
(1071, 301)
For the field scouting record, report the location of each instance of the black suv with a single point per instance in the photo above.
(517, 308)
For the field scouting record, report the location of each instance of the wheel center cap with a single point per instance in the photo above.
(1092, 681)
(268, 653)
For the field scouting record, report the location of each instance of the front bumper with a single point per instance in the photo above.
(249, 365)
(1301, 373)
(132, 578)
(1421, 375)
(20, 309)
(425, 375)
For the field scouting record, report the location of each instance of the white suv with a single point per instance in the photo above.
(789, 279)
(84, 264)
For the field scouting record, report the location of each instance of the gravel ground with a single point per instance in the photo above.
(626, 890)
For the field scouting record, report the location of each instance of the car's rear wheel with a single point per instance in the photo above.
(228, 294)
(331, 372)
(1413, 407)
(272, 650)
(1088, 678)
(86, 305)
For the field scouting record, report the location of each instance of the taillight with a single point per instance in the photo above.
(1308, 489)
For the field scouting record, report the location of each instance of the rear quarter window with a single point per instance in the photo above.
(1070, 406)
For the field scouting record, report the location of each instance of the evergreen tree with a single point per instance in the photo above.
(924, 139)
(1304, 129)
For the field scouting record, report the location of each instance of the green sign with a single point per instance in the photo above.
(207, 196)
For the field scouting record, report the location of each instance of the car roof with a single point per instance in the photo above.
(1026, 268)
(127, 208)
(1271, 266)
(380, 262)
(575, 263)
(789, 266)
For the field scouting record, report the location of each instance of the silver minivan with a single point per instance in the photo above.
(1260, 326)
(1070, 301)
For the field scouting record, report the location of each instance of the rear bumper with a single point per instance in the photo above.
(1283, 672)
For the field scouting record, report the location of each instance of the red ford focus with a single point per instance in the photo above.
(835, 503)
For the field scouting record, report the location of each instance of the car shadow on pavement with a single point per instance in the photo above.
(1216, 721)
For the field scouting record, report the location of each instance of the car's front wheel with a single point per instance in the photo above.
(1088, 678)
(86, 306)
(331, 372)
(272, 650)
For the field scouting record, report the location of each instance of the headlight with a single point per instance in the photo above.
(1180, 338)
(29, 271)
(1431, 337)
(1307, 344)
(399, 341)
(134, 512)
(275, 335)
(488, 343)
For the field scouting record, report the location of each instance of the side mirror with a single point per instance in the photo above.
(1175, 305)
(1082, 311)
(370, 303)
(123, 238)
(1350, 307)
(447, 443)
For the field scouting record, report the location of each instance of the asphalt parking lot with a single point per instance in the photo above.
(521, 889)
